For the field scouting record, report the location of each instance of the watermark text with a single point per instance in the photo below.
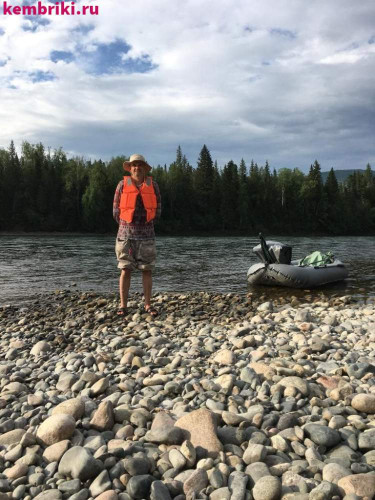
(58, 9)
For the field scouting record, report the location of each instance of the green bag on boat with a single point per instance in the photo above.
(317, 259)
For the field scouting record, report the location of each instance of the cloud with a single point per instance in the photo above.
(285, 81)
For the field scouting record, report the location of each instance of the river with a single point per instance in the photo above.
(36, 264)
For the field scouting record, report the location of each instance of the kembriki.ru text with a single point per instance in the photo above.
(58, 9)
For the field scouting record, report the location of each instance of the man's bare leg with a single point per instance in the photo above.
(147, 287)
(125, 277)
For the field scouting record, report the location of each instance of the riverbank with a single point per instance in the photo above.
(221, 397)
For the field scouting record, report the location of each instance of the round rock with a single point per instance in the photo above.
(79, 463)
(267, 488)
(322, 435)
(56, 428)
(364, 403)
(74, 407)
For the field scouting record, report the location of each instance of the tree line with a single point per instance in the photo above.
(44, 190)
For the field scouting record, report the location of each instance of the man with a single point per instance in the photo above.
(136, 205)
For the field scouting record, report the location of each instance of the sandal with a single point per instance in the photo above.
(151, 311)
(122, 311)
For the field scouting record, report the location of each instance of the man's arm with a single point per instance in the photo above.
(158, 199)
(116, 201)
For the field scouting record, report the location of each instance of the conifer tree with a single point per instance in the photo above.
(10, 188)
(243, 197)
(95, 198)
(229, 197)
(205, 212)
(75, 179)
(312, 194)
(332, 204)
(180, 192)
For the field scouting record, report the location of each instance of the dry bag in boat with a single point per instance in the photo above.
(317, 259)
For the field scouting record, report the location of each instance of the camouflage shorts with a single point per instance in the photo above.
(136, 254)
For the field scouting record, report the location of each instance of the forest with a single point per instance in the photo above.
(44, 190)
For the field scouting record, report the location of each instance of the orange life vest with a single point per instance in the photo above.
(129, 195)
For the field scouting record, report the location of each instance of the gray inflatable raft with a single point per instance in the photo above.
(278, 269)
(292, 275)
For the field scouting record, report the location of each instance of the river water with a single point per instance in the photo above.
(35, 264)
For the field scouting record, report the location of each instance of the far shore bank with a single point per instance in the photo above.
(203, 234)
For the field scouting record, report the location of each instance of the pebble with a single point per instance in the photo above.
(364, 403)
(267, 488)
(196, 482)
(139, 486)
(219, 397)
(78, 463)
(56, 428)
(362, 485)
(199, 427)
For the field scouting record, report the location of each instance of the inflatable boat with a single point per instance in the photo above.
(276, 268)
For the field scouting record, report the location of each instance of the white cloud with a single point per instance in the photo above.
(280, 80)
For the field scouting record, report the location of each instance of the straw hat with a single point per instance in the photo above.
(127, 164)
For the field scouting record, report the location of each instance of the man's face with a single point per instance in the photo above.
(137, 170)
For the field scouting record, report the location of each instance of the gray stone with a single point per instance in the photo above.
(100, 484)
(366, 440)
(81, 495)
(94, 443)
(248, 375)
(257, 470)
(70, 487)
(364, 403)
(139, 486)
(369, 457)
(324, 491)
(358, 370)
(334, 472)
(177, 459)
(237, 485)
(4, 485)
(196, 482)
(322, 435)
(78, 463)
(254, 453)
(12, 437)
(56, 428)
(267, 488)
(168, 436)
(36, 479)
(199, 426)
(40, 348)
(298, 383)
(66, 380)
(15, 388)
(221, 494)
(287, 421)
(136, 466)
(19, 492)
(159, 491)
(49, 495)
(74, 407)
(265, 307)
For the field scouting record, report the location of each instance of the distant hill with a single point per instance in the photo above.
(342, 175)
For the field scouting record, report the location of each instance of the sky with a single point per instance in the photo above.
(287, 81)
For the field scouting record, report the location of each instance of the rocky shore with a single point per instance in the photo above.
(220, 397)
